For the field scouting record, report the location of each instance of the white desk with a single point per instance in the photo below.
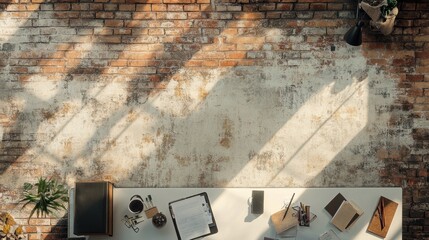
(232, 213)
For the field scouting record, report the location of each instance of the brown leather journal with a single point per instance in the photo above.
(382, 217)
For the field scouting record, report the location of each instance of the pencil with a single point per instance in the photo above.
(288, 206)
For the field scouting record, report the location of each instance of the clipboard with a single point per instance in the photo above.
(379, 224)
(193, 217)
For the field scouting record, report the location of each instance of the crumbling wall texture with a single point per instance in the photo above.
(220, 93)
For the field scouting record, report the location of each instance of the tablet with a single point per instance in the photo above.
(193, 217)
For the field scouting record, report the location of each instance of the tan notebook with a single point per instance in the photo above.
(346, 215)
(388, 207)
(290, 220)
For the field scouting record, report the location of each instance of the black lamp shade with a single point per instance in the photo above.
(354, 35)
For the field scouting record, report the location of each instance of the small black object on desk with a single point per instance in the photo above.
(159, 220)
(257, 202)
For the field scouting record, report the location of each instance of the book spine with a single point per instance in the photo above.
(109, 199)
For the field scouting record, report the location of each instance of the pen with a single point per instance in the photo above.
(148, 203)
(288, 206)
(381, 213)
(150, 200)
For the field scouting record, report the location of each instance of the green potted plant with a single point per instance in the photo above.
(47, 196)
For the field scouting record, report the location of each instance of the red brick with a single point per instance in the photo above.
(210, 63)
(284, 6)
(159, 7)
(249, 15)
(127, 7)
(424, 54)
(111, 7)
(191, 8)
(267, 7)
(144, 15)
(178, 1)
(114, 23)
(122, 32)
(194, 63)
(407, 6)
(301, 6)
(53, 69)
(143, 63)
(104, 15)
(62, 6)
(415, 78)
(273, 15)
(424, 38)
(323, 23)
(39, 221)
(422, 23)
(108, 39)
(228, 63)
(422, 6)
(175, 7)
(96, 6)
(318, 6)
(335, 6)
(80, 6)
(119, 63)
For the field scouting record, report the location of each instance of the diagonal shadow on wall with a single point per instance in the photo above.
(67, 93)
(104, 130)
(221, 102)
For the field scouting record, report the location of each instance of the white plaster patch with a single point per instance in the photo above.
(41, 87)
(78, 125)
(185, 92)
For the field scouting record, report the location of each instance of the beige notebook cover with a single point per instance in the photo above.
(345, 215)
(290, 220)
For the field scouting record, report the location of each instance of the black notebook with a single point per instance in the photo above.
(344, 213)
(334, 204)
(93, 214)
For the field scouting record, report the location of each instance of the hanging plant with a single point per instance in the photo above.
(382, 13)
(47, 196)
(385, 10)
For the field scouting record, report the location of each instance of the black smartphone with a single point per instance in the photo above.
(257, 202)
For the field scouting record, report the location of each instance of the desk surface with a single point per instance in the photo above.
(232, 212)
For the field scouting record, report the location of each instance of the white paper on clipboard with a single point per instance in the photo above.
(192, 216)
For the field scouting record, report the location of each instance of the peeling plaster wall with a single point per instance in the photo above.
(290, 124)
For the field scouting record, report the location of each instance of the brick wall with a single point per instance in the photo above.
(143, 44)
(407, 57)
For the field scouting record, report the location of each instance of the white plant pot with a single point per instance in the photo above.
(386, 25)
(373, 11)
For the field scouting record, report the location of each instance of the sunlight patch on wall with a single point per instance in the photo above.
(78, 123)
(313, 136)
(9, 26)
(41, 88)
